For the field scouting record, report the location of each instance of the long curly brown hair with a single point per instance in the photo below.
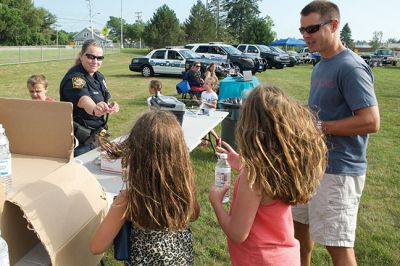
(159, 174)
(279, 146)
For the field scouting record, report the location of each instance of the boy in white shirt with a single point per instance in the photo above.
(209, 100)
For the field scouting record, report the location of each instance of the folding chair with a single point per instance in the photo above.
(183, 87)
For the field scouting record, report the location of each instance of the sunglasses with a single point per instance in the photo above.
(93, 57)
(313, 28)
(198, 66)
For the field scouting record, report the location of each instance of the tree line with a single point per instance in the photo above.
(231, 21)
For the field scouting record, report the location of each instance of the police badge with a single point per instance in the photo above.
(78, 82)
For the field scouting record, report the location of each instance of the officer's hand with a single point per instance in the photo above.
(101, 108)
(113, 107)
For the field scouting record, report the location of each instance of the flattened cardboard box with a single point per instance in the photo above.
(54, 200)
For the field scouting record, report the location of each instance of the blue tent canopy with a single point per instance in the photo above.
(288, 42)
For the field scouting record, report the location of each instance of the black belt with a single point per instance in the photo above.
(87, 135)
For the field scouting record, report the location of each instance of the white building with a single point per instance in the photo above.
(86, 34)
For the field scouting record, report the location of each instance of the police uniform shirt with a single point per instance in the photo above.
(77, 83)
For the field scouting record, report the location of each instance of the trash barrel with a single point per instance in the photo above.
(228, 125)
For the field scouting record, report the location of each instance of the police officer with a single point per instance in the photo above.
(86, 89)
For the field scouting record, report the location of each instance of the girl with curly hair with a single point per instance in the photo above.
(280, 161)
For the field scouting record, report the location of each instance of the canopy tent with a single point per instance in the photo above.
(288, 42)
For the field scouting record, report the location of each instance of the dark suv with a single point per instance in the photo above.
(273, 58)
(230, 54)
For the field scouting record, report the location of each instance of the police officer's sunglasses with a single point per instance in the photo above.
(93, 57)
(313, 28)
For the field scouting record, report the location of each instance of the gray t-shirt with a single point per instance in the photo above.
(341, 85)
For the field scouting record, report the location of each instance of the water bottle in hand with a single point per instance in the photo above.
(223, 174)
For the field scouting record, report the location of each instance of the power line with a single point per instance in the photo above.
(74, 19)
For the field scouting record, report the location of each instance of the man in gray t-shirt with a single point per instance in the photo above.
(343, 99)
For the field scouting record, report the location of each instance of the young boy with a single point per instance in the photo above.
(208, 104)
(37, 86)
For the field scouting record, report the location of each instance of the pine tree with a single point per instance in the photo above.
(259, 31)
(163, 29)
(345, 36)
(239, 13)
(215, 7)
(200, 26)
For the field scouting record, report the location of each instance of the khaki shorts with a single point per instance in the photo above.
(332, 212)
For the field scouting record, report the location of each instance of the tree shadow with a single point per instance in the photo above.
(124, 76)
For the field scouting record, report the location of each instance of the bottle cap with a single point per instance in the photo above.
(223, 156)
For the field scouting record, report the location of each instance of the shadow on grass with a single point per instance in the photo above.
(178, 77)
(125, 76)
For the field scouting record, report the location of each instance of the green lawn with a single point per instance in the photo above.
(378, 234)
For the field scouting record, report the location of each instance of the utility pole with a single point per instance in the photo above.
(90, 15)
(122, 34)
(217, 24)
(138, 16)
(56, 25)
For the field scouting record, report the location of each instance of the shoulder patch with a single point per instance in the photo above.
(78, 82)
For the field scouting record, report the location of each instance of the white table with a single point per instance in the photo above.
(195, 127)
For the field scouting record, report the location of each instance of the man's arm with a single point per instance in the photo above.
(364, 121)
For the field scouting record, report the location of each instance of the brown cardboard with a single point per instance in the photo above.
(38, 128)
(63, 210)
(54, 201)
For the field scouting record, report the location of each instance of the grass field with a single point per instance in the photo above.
(378, 234)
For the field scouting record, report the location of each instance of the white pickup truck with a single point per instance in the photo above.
(305, 55)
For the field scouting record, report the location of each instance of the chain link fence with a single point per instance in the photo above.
(30, 54)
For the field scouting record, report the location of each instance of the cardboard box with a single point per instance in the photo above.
(55, 201)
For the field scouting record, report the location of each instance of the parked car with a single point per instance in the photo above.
(308, 57)
(283, 53)
(371, 60)
(386, 55)
(230, 55)
(294, 58)
(315, 58)
(171, 61)
(272, 58)
(305, 55)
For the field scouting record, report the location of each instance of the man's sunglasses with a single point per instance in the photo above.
(93, 57)
(313, 28)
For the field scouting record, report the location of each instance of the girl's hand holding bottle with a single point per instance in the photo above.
(233, 156)
(216, 194)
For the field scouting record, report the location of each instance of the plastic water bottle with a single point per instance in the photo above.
(223, 174)
(4, 258)
(5, 160)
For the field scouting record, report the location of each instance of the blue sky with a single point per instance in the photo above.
(364, 16)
